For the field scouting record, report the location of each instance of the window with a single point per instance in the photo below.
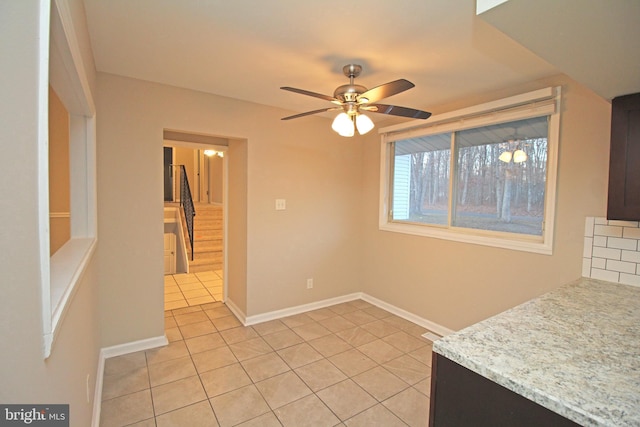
(61, 67)
(484, 175)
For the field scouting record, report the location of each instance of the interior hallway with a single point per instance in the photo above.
(191, 289)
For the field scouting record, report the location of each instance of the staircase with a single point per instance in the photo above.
(207, 239)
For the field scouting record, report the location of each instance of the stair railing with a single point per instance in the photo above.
(186, 201)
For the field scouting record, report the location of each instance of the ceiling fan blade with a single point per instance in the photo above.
(308, 93)
(385, 90)
(394, 110)
(308, 113)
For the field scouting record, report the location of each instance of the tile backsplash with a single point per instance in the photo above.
(612, 251)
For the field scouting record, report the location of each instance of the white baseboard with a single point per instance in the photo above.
(428, 324)
(285, 312)
(240, 315)
(113, 351)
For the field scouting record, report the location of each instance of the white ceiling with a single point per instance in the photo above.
(248, 49)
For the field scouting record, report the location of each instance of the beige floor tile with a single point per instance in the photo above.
(330, 345)
(172, 370)
(197, 329)
(151, 422)
(299, 355)
(125, 363)
(201, 292)
(251, 348)
(127, 409)
(282, 339)
(352, 362)
(218, 312)
(311, 331)
(224, 323)
(380, 383)
(405, 342)
(172, 297)
(170, 289)
(356, 336)
(423, 355)
(125, 383)
(170, 322)
(242, 333)
(197, 415)
(204, 343)
(337, 323)
(361, 304)
(266, 366)
(380, 351)
(174, 350)
(173, 305)
(380, 328)
(359, 317)
(346, 399)
(375, 416)
(309, 411)
(212, 359)
(173, 334)
(177, 394)
(297, 320)
(282, 389)
(408, 369)
(186, 310)
(270, 327)
(410, 406)
(398, 322)
(345, 307)
(265, 420)
(377, 312)
(190, 287)
(185, 278)
(222, 380)
(205, 275)
(239, 406)
(320, 374)
(201, 300)
(320, 314)
(188, 318)
(424, 386)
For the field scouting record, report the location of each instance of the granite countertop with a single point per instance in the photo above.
(575, 351)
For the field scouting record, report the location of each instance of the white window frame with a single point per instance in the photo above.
(61, 66)
(538, 103)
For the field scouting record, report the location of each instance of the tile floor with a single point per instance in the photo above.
(185, 290)
(351, 364)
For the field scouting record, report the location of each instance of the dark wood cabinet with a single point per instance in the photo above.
(624, 163)
(462, 398)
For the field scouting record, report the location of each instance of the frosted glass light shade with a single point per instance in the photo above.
(505, 156)
(363, 123)
(519, 156)
(343, 125)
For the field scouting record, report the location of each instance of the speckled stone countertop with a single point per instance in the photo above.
(575, 351)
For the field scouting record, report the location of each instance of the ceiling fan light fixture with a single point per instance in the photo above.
(363, 123)
(343, 125)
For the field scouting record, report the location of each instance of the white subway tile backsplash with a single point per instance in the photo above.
(607, 230)
(631, 233)
(600, 263)
(601, 241)
(621, 266)
(620, 243)
(631, 256)
(606, 253)
(612, 250)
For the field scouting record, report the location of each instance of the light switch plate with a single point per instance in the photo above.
(281, 204)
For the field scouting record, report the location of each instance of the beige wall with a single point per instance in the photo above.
(271, 254)
(59, 201)
(25, 376)
(456, 284)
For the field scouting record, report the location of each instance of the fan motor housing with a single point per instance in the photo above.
(349, 93)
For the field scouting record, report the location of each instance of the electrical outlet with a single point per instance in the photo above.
(309, 283)
(281, 204)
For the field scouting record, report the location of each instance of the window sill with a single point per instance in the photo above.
(533, 244)
(67, 266)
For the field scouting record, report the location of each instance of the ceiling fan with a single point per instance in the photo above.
(353, 99)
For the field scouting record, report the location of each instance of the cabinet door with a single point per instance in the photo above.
(624, 163)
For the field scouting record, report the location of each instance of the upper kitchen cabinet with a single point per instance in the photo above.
(624, 164)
